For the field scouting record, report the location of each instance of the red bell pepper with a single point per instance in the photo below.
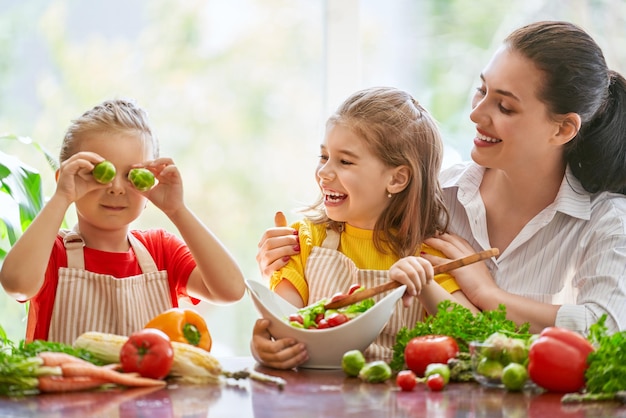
(557, 360)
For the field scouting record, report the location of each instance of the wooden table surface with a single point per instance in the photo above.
(308, 393)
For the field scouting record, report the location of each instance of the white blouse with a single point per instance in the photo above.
(573, 253)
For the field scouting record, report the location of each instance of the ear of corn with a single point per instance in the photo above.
(194, 365)
(105, 347)
(191, 364)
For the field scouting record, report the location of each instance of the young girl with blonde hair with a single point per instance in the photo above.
(103, 276)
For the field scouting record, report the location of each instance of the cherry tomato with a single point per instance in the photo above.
(440, 369)
(338, 296)
(319, 317)
(148, 352)
(406, 380)
(323, 323)
(424, 350)
(354, 288)
(296, 318)
(336, 319)
(435, 382)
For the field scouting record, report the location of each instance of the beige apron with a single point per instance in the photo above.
(87, 301)
(328, 271)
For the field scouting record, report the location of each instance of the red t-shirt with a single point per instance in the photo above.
(168, 252)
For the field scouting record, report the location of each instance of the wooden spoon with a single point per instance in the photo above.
(441, 268)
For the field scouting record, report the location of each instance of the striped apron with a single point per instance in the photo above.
(87, 301)
(329, 271)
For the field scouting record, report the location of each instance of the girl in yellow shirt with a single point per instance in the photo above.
(380, 199)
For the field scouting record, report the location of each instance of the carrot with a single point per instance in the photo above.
(124, 379)
(68, 384)
(76, 367)
(280, 219)
(51, 358)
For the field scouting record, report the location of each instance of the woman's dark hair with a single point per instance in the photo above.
(578, 80)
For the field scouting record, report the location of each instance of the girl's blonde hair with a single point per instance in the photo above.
(400, 132)
(114, 116)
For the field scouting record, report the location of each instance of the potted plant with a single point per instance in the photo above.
(21, 199)
(21, 194)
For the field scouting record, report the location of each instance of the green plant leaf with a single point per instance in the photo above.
(23, 184)
(52, 161)
(10, 227)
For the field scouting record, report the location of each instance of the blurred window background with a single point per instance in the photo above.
(238, 92)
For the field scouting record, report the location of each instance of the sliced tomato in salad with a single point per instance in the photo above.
(337, 319)
(354, 288)
(315, 316)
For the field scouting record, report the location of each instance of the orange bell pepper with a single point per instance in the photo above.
(183, 325)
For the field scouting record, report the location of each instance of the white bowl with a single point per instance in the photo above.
(326, 347)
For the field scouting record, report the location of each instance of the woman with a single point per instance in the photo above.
(546, 186)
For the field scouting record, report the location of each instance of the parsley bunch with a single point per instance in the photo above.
(459, 323)
(607, 364)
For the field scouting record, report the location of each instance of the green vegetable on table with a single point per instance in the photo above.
(490, 368)
(505, 349)
(352, 362)
(375, 372)
(461, 368)
(514, 376)
(607, 364)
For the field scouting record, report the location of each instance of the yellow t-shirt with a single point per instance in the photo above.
(355, 243)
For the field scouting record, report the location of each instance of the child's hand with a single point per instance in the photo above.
(414, 272)
(74, 178)
(285, 353)
(167, 194)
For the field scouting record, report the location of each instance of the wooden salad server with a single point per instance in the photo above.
(392, 284)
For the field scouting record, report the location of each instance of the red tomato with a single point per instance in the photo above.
(296, 318)
(427, 349)
(148, 352)
(435, 382)
(354, 288)
(336, 319)
(323, 323)
(406, 380)
(338, 296)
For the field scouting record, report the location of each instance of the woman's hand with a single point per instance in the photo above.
(415, 273)
(475, 279)
(285, 353)
(277, 245)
